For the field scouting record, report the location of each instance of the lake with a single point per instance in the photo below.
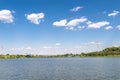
(60, 69)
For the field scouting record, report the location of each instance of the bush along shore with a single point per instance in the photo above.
(107, 52)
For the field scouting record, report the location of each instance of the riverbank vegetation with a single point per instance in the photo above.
(107, 52)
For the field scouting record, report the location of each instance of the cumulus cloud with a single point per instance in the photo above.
(108, 27)
(76, 22)
(6, 16)
(89, 22)
(60, 23)
(75, 9)
(97, 25)
(118, 27)
(73, 24)
(114, 13)
(81, 23)
(35, 18)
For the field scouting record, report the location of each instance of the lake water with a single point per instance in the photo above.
(60, 69)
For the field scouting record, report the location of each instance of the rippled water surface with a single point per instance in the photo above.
(60, 69)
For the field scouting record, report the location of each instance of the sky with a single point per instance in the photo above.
(50, 27)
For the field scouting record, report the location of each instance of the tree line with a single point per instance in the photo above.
(111, 51)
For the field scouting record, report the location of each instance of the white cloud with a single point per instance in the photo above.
(71, 28)
(98, 24)
(76, 22)
(81, 27)
(97, 43)
(60, 23)
(73, 24)
(54, 50)
(116, 45)
(75, 9)
(28, 48)
(6, 16)
(21, 49)
(118, 27)
(80, 23)
(16, 49)
(108, 27)
(88, 22)
(57, 44)
(114, 13)
(35, 17)
(47, 47)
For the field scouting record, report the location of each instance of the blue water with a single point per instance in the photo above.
(60, 69)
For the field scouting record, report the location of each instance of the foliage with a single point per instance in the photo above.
(112, 51)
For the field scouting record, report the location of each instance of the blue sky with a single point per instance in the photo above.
(58, 26)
